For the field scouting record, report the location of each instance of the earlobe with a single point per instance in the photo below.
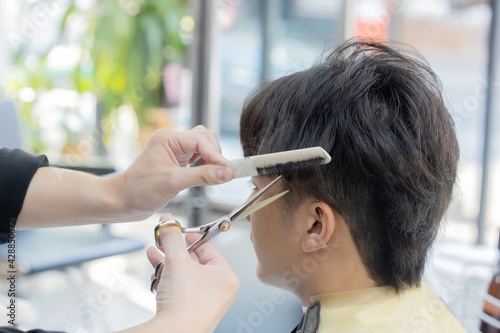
(310, 244)
(321, 229)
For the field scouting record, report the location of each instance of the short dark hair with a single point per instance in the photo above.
(379, 112)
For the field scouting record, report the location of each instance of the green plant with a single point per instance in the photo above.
(124, 46)
(129, 43)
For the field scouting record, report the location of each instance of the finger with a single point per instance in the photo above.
(199, 128)
(183, 145)
(210, 135)
(194, 158)
(172, 240)
(207, 252)
(154, 256)
(196, 142)
(203, 175)
(194, 257)
(191, 238)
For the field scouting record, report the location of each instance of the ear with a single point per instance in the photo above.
(320, 227)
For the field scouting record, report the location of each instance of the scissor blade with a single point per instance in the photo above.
(260, 205)
(235, 214)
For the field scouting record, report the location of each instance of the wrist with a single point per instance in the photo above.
(114, 197)
(155, 325)
(178, 324)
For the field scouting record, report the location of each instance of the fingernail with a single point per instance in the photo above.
(224, 174)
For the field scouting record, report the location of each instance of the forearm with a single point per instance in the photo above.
(59, 197)
(172, 324)
(149, 327)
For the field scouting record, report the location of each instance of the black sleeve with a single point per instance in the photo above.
(16, 170)
(4, 329)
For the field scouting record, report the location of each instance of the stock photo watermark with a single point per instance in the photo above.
(423, 318)
(262, 309)
(473, 102)
(293, 277)
(11, 273)
(94, 304)
(31, 24)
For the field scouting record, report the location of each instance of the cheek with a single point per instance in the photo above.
(271, 243)
(258, 229)
(263, 236)
(259, 219)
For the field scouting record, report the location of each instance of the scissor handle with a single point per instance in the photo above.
(162, 224)
(156, 279)
(209, 230)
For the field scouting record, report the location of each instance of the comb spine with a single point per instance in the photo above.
(267, 160)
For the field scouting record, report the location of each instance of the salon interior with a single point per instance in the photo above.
(195, 62)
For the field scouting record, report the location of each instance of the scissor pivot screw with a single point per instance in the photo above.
(224, 226)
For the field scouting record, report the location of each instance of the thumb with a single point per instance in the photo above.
(206, 175)
(172, 242)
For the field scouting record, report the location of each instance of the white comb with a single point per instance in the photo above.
(266, 163)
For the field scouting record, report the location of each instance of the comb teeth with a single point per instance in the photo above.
(243, 167)
(273, 163)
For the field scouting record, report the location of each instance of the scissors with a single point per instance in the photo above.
(212, 229)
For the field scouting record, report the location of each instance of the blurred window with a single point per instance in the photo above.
(298, 32)
(453, 37)
(239, 58)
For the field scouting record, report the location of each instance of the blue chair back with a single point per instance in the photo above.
(10, 134)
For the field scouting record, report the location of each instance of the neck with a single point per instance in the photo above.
(333, 269)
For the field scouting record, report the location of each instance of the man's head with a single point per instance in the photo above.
(380, 115)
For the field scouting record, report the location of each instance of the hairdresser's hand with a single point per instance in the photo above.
(196, 288)
(160, 172)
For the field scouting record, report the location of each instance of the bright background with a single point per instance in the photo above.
(89, 81)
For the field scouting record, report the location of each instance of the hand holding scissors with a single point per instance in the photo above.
(214, 228)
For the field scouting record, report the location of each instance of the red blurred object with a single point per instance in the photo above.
(172, 83)
(373, 21)
(490, 309)
(227, 12)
